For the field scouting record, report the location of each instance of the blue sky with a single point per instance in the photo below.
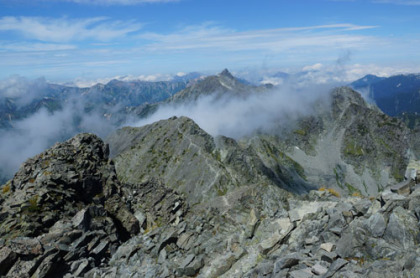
(90, 39)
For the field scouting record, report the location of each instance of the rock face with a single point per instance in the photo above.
(62, 212)
(180, 203)
(192, 162)
(87, 223)
(349, 146)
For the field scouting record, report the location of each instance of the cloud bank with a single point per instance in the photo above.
(212, 36)
(21, 89)
(236, 117)
(68, 30)
(39, 131)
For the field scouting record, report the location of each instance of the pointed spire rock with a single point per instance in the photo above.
(226, 73)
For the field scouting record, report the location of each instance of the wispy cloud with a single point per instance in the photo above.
(117, 2)
(30, 47)
(104, 47)
(280, 39)
(83, 82)
(400, 2)
(67, 30)
(395, 2)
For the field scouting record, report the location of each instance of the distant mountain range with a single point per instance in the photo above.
(394, 95)
(72, 109)
(117, 101)
(104, 97)
(352, 139)
(321, 194)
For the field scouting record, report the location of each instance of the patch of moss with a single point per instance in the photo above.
(221, 191)
(300, 132)
(299, 169)
(47, 173)
(218, 156)
(6, 188)
(283, 159)
(331, 191)
(397, 175)
(339, 177)
(33, 204)
(260, 258)
(351, 189)
(360, 261)
(353, 149)
(365, 187)
(357, 194)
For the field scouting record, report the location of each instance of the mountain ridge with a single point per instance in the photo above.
(393, 95)
(151, 230)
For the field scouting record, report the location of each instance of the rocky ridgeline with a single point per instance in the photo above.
(317, 236)
(66, 214)
(349, 145)
(192, 162)
(63, 212)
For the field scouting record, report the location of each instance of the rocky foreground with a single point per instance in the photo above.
(66, 214)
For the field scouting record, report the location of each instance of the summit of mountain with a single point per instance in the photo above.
(220, 85)
(366, 81)
(349, 145)
(189, 160)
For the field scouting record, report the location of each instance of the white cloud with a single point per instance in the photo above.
(117, 2)
(208, 36)
(338, 74)
(83, 82)
(316, 66)
(41, 130)
(399, 2)
(92, 45)
(21, 89)
(66, 30)
(237, 116)
(29, 47)
(276, 81)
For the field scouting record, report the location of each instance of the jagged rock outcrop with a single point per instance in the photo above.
(87, 223)
(320, 235)
(62, 212)
(180, 203)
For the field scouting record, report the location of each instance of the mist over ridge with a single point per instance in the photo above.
(237, 116)
(230, 106)
(50, 113)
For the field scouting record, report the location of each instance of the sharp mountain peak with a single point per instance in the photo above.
(226, 73)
